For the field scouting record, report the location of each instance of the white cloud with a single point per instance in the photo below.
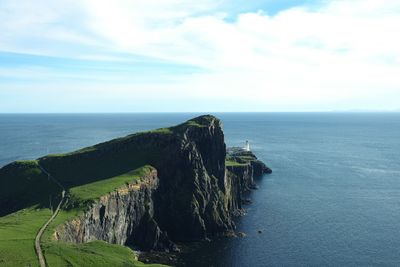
(334, 52)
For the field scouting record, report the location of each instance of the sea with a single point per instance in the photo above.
(333, 198)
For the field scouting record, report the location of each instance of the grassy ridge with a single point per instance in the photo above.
(106, 160)
(239, 157)
(100, 188)
(23, 185)
(230, 162)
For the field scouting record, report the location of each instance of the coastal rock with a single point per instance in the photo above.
(246, 201)
(241, 234)
(259, 168)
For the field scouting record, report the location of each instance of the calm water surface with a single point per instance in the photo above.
(333, 199)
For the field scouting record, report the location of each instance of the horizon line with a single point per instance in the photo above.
(195, 112)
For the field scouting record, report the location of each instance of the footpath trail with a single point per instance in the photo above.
(38, 248)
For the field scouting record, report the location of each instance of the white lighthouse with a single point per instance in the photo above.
(247, 146)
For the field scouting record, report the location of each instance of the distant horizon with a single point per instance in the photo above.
(198, 112)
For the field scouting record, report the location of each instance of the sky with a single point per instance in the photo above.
(199, 56)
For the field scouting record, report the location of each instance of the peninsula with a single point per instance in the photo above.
(145, 191)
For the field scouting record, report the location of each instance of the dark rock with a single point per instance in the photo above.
(254, 187)
(260, 168)
(241, 234)
(246, 201)
(191, 201)
(230, 234)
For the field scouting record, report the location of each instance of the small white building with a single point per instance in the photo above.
(247, 146)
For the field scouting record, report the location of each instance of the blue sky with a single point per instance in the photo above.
(175, 55)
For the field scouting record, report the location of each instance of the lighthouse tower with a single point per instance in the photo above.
(247, 146)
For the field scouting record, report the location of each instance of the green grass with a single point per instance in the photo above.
(23, 184)
(96, 253)
(229, 163)
(246, 158)
(196, 122)
(161, 131)
(100, 164)
(17, 235)
(97, 189)
(238, 157)
(193, 123)
(115, 141)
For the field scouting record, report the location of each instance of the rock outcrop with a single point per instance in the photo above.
(242, 168)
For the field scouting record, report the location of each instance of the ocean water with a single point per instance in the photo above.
(333, 198)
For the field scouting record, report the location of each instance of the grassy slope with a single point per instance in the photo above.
(230, 162)
(100, 162)
(97, 253)
(100, 188)
(22, 185)
(239, 157)
(17, 235)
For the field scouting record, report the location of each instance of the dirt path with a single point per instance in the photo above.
(38, 248)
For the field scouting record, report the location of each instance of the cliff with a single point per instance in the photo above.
(242, 167)
(124, 216)
(246, 166)
(192, 192)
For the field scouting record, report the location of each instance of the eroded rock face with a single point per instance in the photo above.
(190, 202)
(124, 216)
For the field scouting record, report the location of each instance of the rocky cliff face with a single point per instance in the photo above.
(242, 171)
(194, 195)
(190, 201)
(124, 216)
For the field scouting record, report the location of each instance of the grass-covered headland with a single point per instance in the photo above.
(64, 193)
(28, 197)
